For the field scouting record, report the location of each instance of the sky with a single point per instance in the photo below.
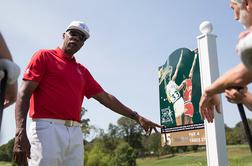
(129, 41)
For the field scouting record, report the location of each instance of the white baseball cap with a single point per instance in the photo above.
(238, 1)
(81, 26)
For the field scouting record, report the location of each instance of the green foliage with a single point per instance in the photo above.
(195, 148)
(131, 131)
(6, 151)
(101, 154)
(85, 127)
(114, 131)
(109, 144)
(97, 156)
(124, 155)
(167, 150)
(152, 144)
(85, 157)
(237, 134)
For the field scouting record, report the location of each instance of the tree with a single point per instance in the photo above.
(168, 150)
(195, 148)
(113, 131)
(125, 155)
(240, 133)
(112, 138)
(97, 156)
(131, 131)
(110, 149)
(6, 151)
(230, 137)
(152, 144)
(237, 134)
(85, 128)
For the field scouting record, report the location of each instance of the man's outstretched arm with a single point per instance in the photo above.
(115, 105)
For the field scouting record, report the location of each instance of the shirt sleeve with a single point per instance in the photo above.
(36, 68)
(93, 87)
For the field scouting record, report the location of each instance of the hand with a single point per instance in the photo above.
(234, 95)
(207, 106)
(10, 94)
(147, 125)
(21, 149)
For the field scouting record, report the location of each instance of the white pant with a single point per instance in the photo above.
(54, 144)
(179, 107)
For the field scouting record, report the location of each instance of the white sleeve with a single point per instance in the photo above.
(12, 69)
(244, 49)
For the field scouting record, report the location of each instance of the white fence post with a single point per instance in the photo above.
(214, 132)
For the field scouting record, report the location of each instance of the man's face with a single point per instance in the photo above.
(244, 18)
(236, 9)
(241, 13)
(73, 41)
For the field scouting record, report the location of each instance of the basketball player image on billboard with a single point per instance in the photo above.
(172, 91)
(173, 94)
(187, 95)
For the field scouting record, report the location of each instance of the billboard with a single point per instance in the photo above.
(179, 96)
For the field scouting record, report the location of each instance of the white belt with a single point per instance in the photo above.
(67, 123)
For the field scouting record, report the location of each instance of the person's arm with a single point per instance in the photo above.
(13, 72)
(183, 83)
(177, 66)
(242, 96)
(4, 51)
(192, 68)
(115, 105)
(237, 77)
(21, 150)
(247, 100)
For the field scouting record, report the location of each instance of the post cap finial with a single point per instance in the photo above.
(206, 27)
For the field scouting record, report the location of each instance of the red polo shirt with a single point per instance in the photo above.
(63, 83)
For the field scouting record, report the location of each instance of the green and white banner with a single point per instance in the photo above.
(180, 92)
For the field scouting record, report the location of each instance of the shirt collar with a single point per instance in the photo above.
(65, 56)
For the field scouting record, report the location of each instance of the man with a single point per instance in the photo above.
(236, 78)
(53, 88)
(13, 71)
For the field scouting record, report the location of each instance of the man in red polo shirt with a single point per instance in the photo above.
(53, 88)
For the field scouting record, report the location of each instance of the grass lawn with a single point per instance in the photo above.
(238, 155)
(4, 164)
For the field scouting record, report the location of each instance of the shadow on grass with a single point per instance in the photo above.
(168, 156)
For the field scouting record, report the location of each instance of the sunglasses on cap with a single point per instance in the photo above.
(74, 33)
